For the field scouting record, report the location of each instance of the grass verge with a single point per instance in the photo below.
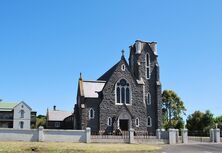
(53, 147)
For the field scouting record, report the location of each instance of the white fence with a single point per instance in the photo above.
(46, 135)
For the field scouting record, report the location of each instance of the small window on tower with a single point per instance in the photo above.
(123, 67)
(147, 66)
(149, 121)
(148, 99)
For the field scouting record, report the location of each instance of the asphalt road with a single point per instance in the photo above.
(192, 148)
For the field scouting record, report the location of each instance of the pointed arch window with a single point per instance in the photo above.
(147, 66)
(91, 113)
(123, 92)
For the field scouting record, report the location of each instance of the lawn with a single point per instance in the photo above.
(46, 147)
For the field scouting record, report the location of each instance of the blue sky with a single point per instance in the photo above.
(44, 45)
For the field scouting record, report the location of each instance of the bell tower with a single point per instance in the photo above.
(145, 68)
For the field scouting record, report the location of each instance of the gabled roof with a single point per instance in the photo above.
(57, 115)
(91, 88)
(24, 104)
(108, 73)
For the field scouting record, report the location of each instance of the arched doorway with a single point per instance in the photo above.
(124, 121)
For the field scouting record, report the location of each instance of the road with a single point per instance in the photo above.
(192, 148)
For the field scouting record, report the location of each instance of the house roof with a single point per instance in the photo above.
(91, 88)
(6, 106)
(57, 115)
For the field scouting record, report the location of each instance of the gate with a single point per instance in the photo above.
(110, 137)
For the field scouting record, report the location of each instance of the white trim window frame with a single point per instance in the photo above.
(91, 113)
(109, 121)
(137, 122)
(122, 93)
(147, 66)
(123, 67)
(149, 121)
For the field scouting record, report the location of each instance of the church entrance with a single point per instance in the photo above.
(124, 124)
(124, 121)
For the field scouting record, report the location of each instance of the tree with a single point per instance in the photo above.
(218, 121)
(173, 108)
(40, 121)
(200, 122)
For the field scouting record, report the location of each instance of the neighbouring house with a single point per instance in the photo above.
(127, 96)
(17, 116)
(58, 119)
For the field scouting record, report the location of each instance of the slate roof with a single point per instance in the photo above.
(57, 115)
(91, 88)
(108, 73)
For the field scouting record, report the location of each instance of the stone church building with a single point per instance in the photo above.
(127, 96)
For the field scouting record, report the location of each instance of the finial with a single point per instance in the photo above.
(80, 77)
(123, 52)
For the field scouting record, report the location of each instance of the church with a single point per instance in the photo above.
(126, 96)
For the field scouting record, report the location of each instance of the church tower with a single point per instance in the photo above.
(145, 68)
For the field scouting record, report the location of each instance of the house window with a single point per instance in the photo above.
(149, 121)
(148, 100)
(147, 66)
(122, 92)
(21, 124)
(137, 122)
(57, 124)
(109, 121)
(91, 113)
(22, 113)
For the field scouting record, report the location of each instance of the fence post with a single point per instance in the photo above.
(131, 136)
(88, 135)
(217, 135)
(172, 136)
(184, 133)
(41, 134)
(158, 133)
(211, 135)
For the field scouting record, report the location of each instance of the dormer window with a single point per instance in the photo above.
(123, 92)
(147, 66)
